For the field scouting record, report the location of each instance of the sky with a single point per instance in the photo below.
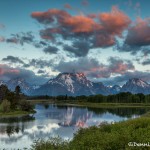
(107, 40)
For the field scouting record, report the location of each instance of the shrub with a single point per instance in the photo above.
(51, 144)
(25, 106)
(5, 106)
(106, 137)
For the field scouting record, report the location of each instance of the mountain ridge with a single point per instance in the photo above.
(75, 84)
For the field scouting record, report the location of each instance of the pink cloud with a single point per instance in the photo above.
(4, 69)
(2, 39)
(139, 33)
(68, 6)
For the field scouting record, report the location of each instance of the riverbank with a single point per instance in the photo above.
(89, 104)
(16, 113)
(118, 136)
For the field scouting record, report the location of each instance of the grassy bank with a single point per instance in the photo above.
(16, 113)
(88, 104)
(105, 137)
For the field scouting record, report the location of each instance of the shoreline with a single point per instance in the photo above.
(90, 104)
(16, 114)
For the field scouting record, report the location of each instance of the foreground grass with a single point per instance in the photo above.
(16, 113)
(105, 137)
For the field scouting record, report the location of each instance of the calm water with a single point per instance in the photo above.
(52, 120)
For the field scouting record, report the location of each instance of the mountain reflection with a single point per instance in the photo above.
(53, 120)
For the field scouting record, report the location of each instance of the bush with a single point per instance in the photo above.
(5, 106)
(25, 106)
(106, 137)
(51, 144)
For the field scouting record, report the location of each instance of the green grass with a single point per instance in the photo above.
(16, 113)
(105, 137)
(89, 104)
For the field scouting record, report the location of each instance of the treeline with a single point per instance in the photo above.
(125, 97)
(13, 101)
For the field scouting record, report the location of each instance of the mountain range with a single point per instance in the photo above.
(75, 84)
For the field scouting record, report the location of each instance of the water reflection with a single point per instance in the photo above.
(52, 120)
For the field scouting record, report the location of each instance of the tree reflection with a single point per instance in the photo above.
(10, 130)
(14, 125)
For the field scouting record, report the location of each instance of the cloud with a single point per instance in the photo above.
(115, 67)
(137, 39)
(12, 40)
(146, 62)
(50, 15)
(27, 38)
(94, 69)
(41, 71)
(51, 50)
(98, 29)
(7, 73)
(138, 35)
(145, 76)
(13, 59)
(68, 6)
(21, 38)
(120, 66)
(5, 70)
(78, 48)
(38, 63)
(2, 39)
(77, 65)
(114, 22)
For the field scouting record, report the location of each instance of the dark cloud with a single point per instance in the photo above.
(137, 39)
(93, 69)
(79, 65)
(13, 59)
(138, 35)
(21, 38)
(41, 71)
(120, 66)
(38, 63)
(115, 67)
(7, 73)
(43, 43)
(120, 80)
(78, 49)
(25, 38)
(146, 62)
(51, 50)
(12, 40)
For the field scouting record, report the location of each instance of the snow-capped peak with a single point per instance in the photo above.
(71, 81)
(25, 87)
(2, 83)
(138, 82)
(135, 86)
